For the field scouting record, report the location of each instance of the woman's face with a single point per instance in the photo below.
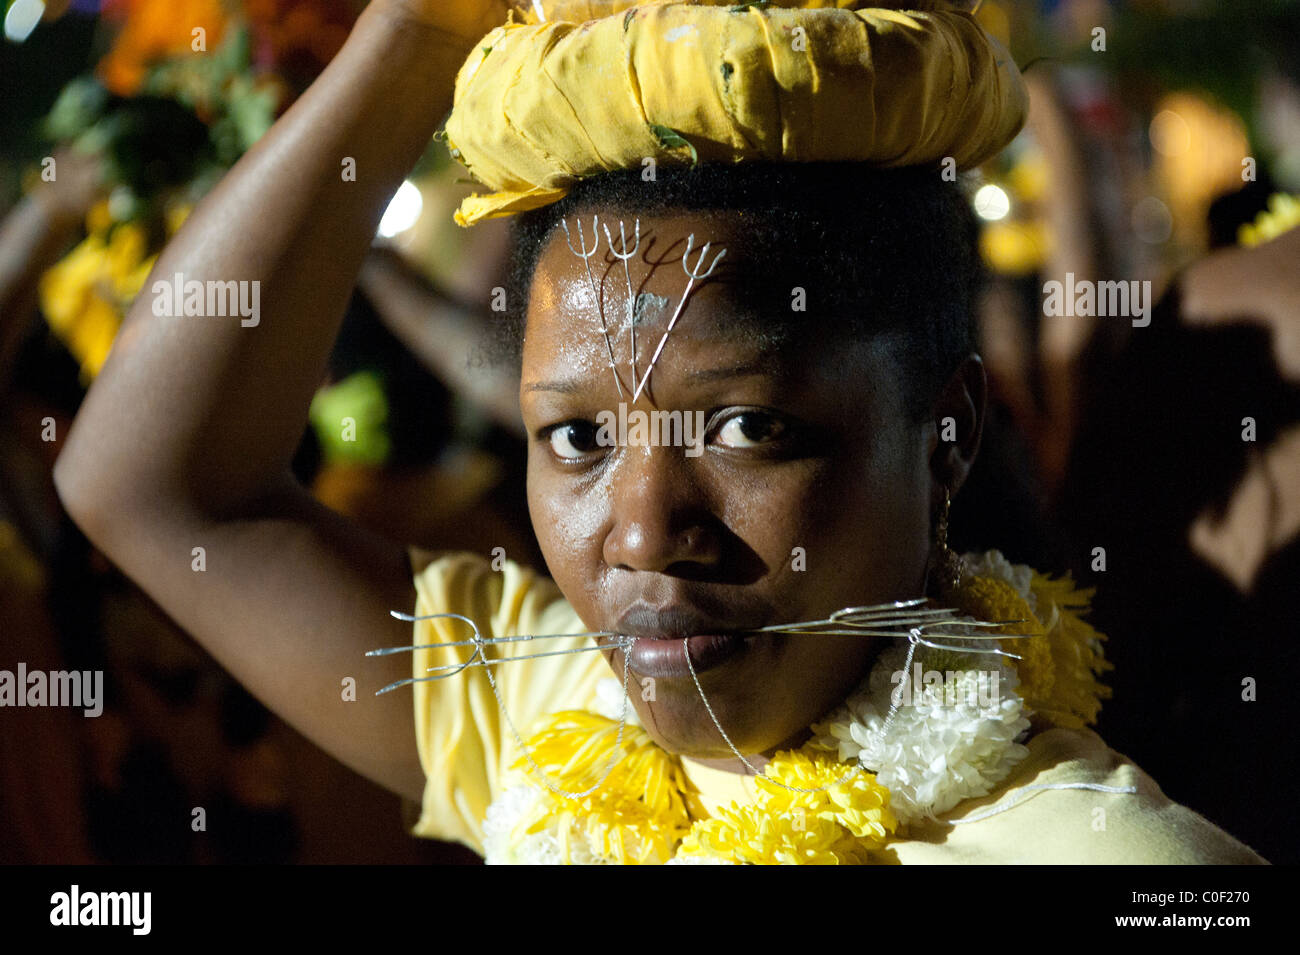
(811, 491)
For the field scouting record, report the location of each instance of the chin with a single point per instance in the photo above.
(689, 730)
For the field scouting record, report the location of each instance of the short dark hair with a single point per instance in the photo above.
(888, 252)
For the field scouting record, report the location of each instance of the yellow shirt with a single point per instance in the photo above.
(466, 745)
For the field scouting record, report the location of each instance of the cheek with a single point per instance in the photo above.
(867, 525)
(897, 507)
(569, 528)
(773, 510)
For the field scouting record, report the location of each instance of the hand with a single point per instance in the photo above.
(467, 20)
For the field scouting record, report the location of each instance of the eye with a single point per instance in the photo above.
(573, 440)
(750, 429)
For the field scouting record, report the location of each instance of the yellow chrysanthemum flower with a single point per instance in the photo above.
(637, 814)
(987, 598)
(1076, 652)
(611, 824)
(859, 804)
(646, 805)
(1061, 659)
(573, 747)
(758, 836)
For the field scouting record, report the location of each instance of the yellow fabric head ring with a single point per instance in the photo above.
(541, 105)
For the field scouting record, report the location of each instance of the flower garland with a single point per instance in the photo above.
(186, 88)
(950, 738)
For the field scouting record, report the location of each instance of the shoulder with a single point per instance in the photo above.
(500, 594)
(1075, 800)
(440, 567)
(467, 726)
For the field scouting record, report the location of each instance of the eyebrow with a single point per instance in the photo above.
(569, 386)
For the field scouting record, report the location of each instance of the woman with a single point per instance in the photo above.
(814, 316)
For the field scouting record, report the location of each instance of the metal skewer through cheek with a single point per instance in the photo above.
(904, 619)
(478, 659)
(896, 620)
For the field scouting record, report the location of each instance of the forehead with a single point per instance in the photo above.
(573, 295)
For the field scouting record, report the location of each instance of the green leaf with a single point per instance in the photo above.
(253, 113)
(671, 139)
(742, 7)
(365, 439)
(235, 54)
(78, 107)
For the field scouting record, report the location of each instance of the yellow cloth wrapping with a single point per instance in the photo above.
(540, 105)
(467, 748)
(578, 11)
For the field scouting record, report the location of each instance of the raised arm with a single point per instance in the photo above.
(185, 440)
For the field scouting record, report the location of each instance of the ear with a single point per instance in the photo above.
(957, 423)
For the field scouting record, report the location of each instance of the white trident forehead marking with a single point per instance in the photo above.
(692, 275)
(591, 284)
(625, 255)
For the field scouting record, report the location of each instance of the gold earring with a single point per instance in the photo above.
(947, 562)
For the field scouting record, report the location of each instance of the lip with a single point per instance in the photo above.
(666, 635)
(667, 657)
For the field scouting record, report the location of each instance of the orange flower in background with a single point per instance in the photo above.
(153, 30)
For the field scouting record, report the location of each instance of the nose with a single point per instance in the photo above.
(661, 520)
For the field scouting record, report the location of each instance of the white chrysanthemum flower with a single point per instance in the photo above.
(536, 848)
(993, 564)
(502, 817)
(543, 848)
(952, 737)
(609, 702)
